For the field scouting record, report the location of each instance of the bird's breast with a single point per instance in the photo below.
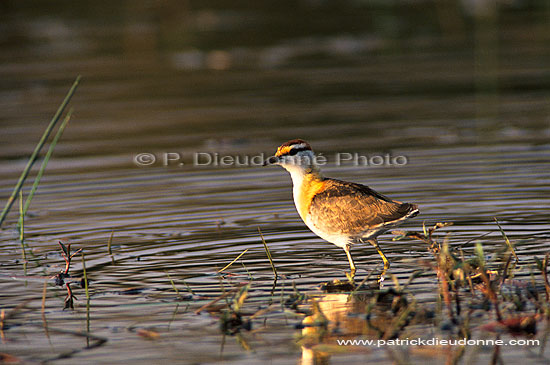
(305, 191)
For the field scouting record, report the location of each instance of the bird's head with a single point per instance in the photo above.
(292, 155)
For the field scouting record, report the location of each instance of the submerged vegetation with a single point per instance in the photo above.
(474, 299)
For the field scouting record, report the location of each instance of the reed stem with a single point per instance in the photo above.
(46, 159)
(37, 149)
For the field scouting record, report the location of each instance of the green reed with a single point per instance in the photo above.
(46, 160)
(37, 149)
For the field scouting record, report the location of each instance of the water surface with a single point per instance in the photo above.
(239, 81)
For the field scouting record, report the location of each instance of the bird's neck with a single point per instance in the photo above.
(306, 183)
(303, 174)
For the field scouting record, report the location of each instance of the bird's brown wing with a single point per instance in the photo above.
(355, 209)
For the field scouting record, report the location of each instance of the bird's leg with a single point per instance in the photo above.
(351, 275)
(386, 262)
(375, 244)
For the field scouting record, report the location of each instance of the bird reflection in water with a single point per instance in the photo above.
(343, 316)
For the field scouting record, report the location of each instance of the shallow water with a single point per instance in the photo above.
(209, 85)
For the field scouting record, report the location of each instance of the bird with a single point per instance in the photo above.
(343, 213)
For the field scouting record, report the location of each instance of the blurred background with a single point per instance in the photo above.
(461, 88)
(188, 74)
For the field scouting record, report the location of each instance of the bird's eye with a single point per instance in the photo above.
(292, 152)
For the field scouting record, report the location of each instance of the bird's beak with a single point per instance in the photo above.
(271, 161)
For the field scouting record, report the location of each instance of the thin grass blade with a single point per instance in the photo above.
(231, 263)
(508, 243)
(268, 254)
(37, 149)
(46, 159)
